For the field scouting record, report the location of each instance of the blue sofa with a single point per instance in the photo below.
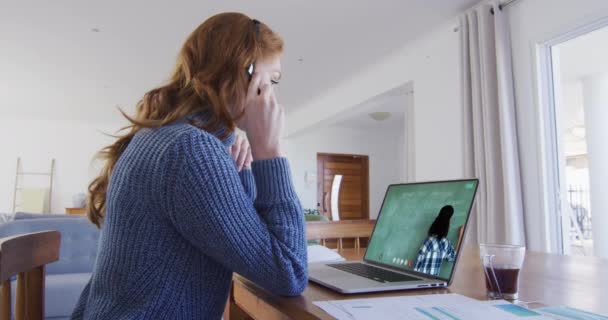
(65, 278)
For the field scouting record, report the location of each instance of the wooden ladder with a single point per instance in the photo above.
(20, 174)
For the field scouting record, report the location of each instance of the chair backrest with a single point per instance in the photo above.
(79, 241)
(25, 256)
(322, 230)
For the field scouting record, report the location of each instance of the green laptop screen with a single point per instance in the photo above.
(420, 225)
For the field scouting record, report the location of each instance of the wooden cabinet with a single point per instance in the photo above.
(76, 210)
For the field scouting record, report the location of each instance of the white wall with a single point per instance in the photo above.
(72, 144)
(571, 113)
(382, 147)
(533, 22)
(595, 93)
(431, 63)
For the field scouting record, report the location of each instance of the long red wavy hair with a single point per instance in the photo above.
(210, 76)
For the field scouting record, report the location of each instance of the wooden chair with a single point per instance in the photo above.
(26, 256)
(357, 229)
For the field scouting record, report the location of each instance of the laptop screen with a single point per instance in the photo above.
(421, 225)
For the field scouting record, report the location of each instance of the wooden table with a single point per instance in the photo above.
(580, 282)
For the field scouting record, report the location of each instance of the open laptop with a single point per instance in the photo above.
(415, 243)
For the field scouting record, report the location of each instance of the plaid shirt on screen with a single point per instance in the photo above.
(432, 253)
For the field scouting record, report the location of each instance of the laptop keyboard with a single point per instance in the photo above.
(373, 273)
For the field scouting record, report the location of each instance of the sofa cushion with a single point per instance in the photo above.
(61, 293)
(6, 217)
(28, 215)
(79, 239)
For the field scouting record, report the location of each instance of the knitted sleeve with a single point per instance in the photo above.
(248, 183)
(262, 241)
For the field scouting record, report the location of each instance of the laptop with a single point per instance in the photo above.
(415, 243)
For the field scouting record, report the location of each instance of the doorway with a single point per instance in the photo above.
(343, 186)
(577, 96)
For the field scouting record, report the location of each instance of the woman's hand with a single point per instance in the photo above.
(263, 120)
(241, 153)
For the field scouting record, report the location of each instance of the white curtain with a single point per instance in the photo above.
(490, 135)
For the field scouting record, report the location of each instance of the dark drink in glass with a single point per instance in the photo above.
(501, 265)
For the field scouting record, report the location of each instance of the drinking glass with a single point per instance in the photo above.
(501, 265)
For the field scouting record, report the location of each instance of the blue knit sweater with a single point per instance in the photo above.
(180, 220)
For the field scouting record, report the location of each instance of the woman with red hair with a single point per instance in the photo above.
(182, 203)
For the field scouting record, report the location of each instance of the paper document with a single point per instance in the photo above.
(318, 253)
(425, 307)
(555, 313)
(567, 313)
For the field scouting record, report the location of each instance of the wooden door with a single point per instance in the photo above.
(353, 198)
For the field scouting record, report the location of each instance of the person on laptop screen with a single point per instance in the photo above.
(436, 248)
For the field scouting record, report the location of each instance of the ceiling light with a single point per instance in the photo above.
(300, 59)
(380, 116)
(95, 30)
